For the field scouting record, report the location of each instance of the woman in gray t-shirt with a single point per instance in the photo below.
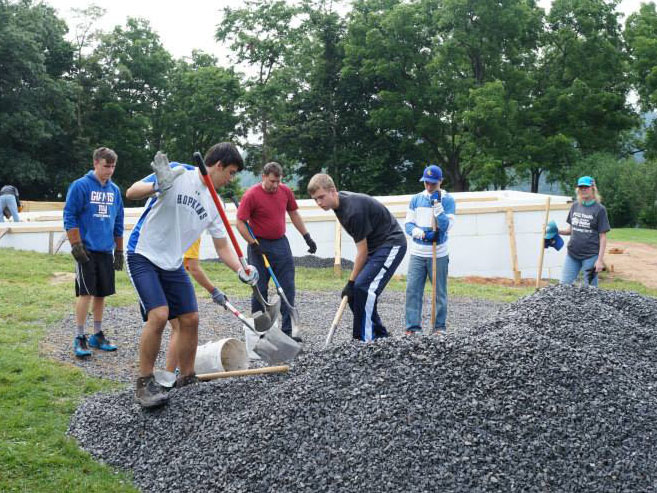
(587, 226)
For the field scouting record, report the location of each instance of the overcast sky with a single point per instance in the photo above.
(187, 25)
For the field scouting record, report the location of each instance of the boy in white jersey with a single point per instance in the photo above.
(179, 208)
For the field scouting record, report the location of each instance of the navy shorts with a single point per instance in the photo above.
(158, 287)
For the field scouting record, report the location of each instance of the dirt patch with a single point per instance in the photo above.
(498, 281)
(632, 262)
(62, 278)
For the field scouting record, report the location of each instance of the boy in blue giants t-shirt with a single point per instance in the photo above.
(93, 220)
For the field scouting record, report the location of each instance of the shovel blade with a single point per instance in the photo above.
(274, 346)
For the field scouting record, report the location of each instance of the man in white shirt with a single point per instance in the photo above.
(179, 208)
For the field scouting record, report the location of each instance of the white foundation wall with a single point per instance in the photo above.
(479, 243)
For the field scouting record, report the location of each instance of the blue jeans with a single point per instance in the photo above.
(419, 269)
(8, 202)
(281, 260)
(572, 267)
(369, 285)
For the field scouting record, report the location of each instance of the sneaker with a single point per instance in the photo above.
(150, 393)
(411, 332)
(183, 381)
(440, 331)
(99, 341)
(80, 347)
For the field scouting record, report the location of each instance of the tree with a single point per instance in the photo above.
(36, 110)
(131, 69)
(201, 109)
(264, 35)
(641, 37)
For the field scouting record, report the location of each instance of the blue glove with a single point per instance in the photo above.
(435, 197)
(218, 297)
(431, 236)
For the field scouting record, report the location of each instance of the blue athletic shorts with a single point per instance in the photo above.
(158, 287)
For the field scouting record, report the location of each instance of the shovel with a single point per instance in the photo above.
(294, 313)
(273, 345)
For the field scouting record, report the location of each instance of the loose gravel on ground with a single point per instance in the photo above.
(555, 393)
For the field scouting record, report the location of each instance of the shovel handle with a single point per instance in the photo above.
(336, 321)
(241, 317)
(243, 373)
(208, 182)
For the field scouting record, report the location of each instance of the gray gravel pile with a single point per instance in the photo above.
(123, 326)
(557, 393)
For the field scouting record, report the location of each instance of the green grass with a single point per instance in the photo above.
(637, 235)
(38, 396)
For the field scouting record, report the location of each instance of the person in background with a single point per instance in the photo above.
(10, 203)
(588, 226)
(264, 206)
(93, 220)
(380, 248)
(429, 206)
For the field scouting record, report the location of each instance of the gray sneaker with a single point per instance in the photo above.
(150, 393)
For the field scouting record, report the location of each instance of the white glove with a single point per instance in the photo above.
(164, 173)
(250, 278)
(417, 233)
(438, 208)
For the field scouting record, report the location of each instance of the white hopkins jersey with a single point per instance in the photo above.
(171, 223)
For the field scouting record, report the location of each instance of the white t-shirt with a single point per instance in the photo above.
(171, 223)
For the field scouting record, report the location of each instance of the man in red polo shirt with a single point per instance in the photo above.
(264, 206)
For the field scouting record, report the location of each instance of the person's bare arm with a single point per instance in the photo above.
(244, 231)
(600, 263)
(226, 253)
(296, 219)
(359, 261)
(566, 231)
(197, 272)
(140, 190)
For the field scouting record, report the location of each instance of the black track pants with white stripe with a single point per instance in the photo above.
(369, 285)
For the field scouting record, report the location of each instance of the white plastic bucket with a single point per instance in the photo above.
(222, 355)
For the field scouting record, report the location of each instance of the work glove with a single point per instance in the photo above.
(118, 259)
(164, 173)
(251, 277)
(348, 290)
(312, 246)
(219, 297)
(255, 248)
(80, 253)
(431, 236)
(438, 208)
(417, 233)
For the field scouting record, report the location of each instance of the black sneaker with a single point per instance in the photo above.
(183, 381)
(150, 393)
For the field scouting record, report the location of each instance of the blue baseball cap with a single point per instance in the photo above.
(432, 174)
(555, 242)
(585, 181)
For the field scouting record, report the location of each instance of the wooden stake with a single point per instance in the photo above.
(511, 228)
(337, 244)
(433, 275)
(243, 373)
(542, 243)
